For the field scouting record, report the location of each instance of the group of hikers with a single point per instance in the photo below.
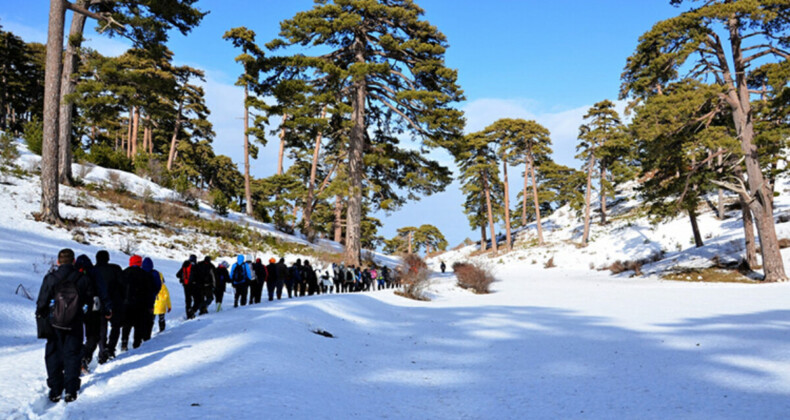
(81, 305)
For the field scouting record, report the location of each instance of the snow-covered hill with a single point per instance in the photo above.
(566, 342)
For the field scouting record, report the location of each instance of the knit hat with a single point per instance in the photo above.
(272, 260)
(135, 260)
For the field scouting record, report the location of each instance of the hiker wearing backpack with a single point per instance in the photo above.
(139, 302)
(185, 278)
(311, 279)
(111, 275)
(157, 280)
(294, 278)
(256, 286)
(221, 277)
(59, 316)
(240, 275)
(99, 306)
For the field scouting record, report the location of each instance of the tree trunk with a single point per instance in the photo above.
(531, 167)
(67, 86)
(356, 146)
(338, 225)
(587, 199)
(135, 129)
(410, 236)
(748, 234)
(483, 239)
(171, 157)
(490, 213)
(307, 213)
(52, 79)
(762, 204)
(507, 205)
(695, 228)
(247, 189)
(603, 195)
(282, 147)
(720, 204)
(128, 144)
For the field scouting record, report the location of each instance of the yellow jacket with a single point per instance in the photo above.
(162, 304)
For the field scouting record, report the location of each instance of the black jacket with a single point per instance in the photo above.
(45, 294)
(282, 272)
(221, 276)
(139, 287)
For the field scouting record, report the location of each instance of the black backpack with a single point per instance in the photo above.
(66, 304)
(239, 276)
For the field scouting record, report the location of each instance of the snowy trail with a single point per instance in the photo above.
(548, 344)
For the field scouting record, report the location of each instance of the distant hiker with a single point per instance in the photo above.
(443, 266)
(271, 279)
(162, 305)
(385, 273)
(112, 276)
(256, 285)
(240, 279)
(221, 278)
(203, 284)
(382, 284)
(310, 278)
(366, 279)
(59, 312)
(157, 280)
(327, 285)
(139, 302)
(185, 278)
(294, 278)
(282, 277)
(99, 305)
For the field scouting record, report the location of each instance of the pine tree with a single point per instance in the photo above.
(477, 161)
(388, 65)
(690, 42)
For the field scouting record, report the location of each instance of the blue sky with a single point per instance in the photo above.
(542, 60)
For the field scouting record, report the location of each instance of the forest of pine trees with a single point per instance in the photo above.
(707, 115)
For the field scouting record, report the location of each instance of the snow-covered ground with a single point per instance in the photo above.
(567, 342)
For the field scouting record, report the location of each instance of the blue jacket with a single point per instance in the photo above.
(247, 268)
(148, 266)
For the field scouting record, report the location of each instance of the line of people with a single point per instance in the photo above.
(82, 306)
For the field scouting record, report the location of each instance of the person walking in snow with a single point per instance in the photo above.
(221, 278)
(64, 291)
(327, 285)
(256, 286)
(99, 305)
(271, 279)
(294, 278)
(162, 305)
(112, 277)
(139, 302)
(443, 266)
(203, 283)
(282, 277)
(157, 279)
(310, 279)
(240, 275)
(185, 278)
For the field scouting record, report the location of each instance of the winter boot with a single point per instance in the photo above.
(55, 398)
(219, 307)
(70, 397)
(84, 369)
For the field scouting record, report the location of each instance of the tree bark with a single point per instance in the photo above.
(531, 167)
(695, 228)
(307, 213)
(587, 199)
(247, 189)
(490, 213)
(52, 79)
(720, 204)
(67, 87)
(338, 225)
(507, 205)
(171, 157)
(483, 239)
(282, 147)
(135, 129)
(603, 195)
(750, 244)
(128, 143)
(410, 236)
(356, 147)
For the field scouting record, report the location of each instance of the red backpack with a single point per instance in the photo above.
(185, 274)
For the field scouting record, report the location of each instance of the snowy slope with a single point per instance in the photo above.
(567, 342)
